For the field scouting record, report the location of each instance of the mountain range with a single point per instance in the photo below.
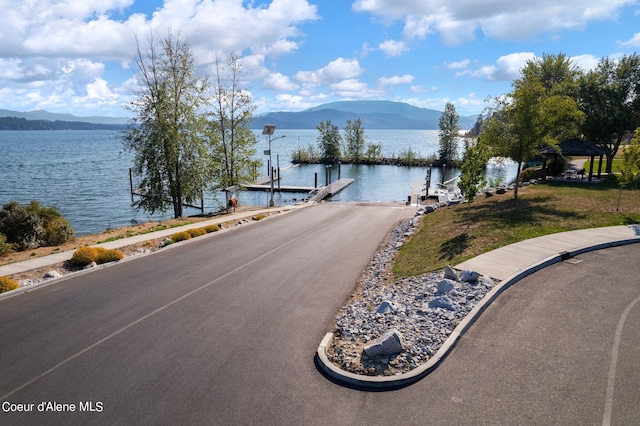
(374, 115)
(51, 116)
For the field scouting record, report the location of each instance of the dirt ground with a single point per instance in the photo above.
(36, 275)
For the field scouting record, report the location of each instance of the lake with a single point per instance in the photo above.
(85, 174)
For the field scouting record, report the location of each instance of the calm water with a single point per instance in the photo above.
(85, 174)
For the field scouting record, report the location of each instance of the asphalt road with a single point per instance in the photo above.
(224, 330)
(221, 330)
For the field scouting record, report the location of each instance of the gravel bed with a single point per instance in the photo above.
(424, 310)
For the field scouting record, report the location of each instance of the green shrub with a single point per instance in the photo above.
(33, 226)
(5, 247)
(20, 226)
(180, 236)
(196, 232)
(84, 256)
(212, 228)
(7, 284)
(56, 229)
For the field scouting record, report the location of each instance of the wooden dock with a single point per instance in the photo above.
(315, 194)
(281, 188)
(330, 190)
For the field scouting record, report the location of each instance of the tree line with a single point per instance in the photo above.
(351, 147)
(19, 123)
(554, 100)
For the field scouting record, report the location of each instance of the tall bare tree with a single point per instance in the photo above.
(165, 134)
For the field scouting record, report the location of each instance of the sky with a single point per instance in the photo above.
(76, 56)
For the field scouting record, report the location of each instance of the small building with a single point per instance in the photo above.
(576, 147)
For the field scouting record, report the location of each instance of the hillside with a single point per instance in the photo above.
(374, 115)
(50, 116)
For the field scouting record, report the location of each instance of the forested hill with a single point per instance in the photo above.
(374, 115)
(16, 123)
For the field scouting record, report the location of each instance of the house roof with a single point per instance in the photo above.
(577, 147)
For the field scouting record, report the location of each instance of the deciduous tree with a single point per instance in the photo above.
(449, 125)
(231, 141)
(165, 134)
(329, 142)
(472, 172)
(354, 141)
(609, 96)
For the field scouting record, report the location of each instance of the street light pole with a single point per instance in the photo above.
(268, 130)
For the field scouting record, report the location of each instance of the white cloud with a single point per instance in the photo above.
(353, 89)
(396, 80)
(585, 62)
(339, 69)
(393, 48)
(54, 52)
(506, 68)
(277, 81)
(457, 65)
(632, 43)
(457, 21)
(419, 89)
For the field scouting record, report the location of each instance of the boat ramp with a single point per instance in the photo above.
(315, 194)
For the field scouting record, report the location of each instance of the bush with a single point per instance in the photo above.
(57, 230)
(196, 232)
(259, 217)
(7, 284)
(104, 256)
(20, 226)
(33, 226)
(180, 236)
(84, 256)
(5, 247)
(212, 228)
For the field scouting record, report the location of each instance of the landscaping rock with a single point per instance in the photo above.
(450, 273)
(445, 303)
(52, 275)
(469, 276)
(386, 307)
(446, 285)
(390, 343)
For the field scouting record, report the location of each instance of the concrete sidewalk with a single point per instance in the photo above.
(533, 254)
(39, 262)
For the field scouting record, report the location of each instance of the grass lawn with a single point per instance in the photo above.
(615, 167)
(500, 220)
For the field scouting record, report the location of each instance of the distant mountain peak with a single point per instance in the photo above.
(379, 114)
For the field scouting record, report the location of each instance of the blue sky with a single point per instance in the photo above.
(75, 56)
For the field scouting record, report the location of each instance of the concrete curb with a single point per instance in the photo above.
(397, 381)
(123, 242)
